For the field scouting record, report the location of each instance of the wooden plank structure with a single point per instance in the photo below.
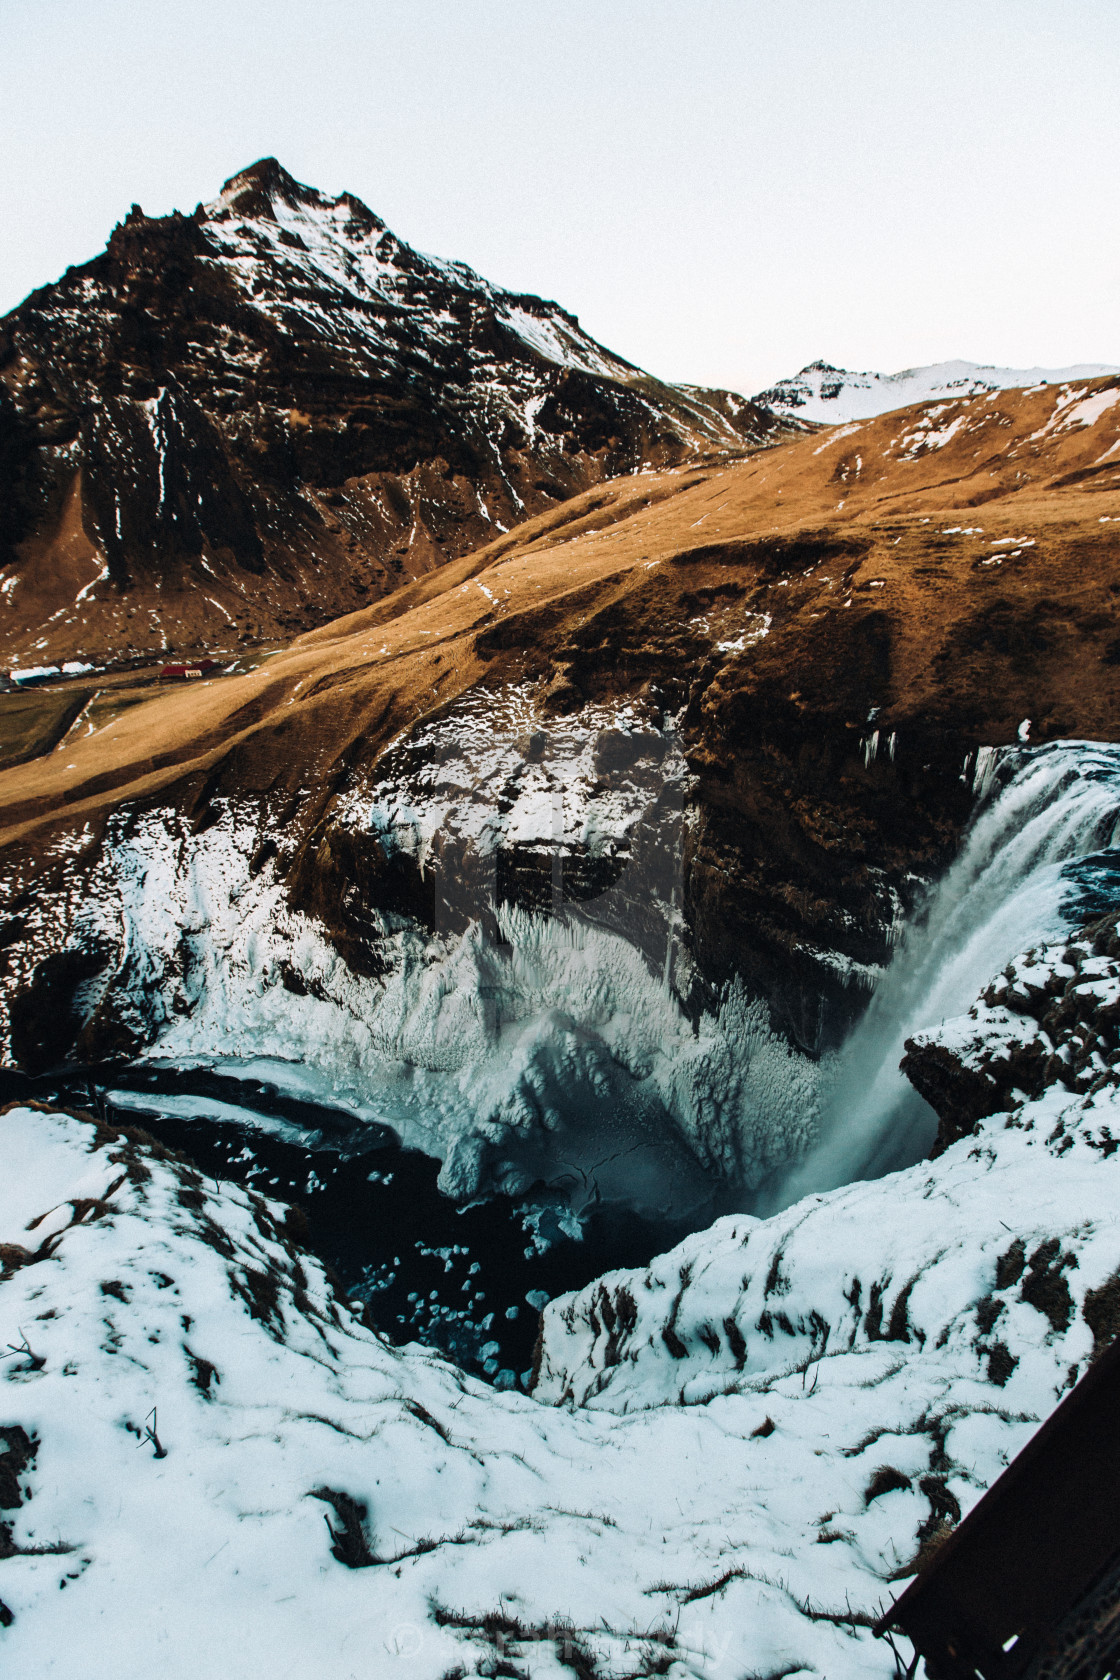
(1028, 1587)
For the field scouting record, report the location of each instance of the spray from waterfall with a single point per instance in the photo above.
(1016, 882)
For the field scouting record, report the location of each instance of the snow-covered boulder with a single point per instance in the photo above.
(1051, 1019)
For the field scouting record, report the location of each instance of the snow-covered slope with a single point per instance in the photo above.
(748, 1444)
(1001, 1251)
(1042, 1030)
(982, 1259)
(830, 396)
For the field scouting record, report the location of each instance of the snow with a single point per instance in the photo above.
(329, 269)
(553, 337)
(749, 636)
(1074, 408)
(512, 1044)
(1087, 413)
(85, 590)
(835, 437)
(692, 1480)
(833, 1278)
(519, 1044)
(923, 438)
(207, 1108)
(830, 395)
(695, 1482)
(446, 777)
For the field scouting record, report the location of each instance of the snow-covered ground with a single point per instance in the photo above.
(729, 1462)
(731, 1458)
(831, 395)
(912, 1260)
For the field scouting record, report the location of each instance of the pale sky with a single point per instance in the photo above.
(722, 190)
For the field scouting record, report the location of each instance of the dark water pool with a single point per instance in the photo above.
(470, 1280)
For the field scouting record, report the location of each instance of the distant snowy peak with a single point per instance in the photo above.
(829, 395)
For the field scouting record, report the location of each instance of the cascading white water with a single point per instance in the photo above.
(1042, 808)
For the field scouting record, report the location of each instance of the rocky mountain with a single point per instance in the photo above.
(241, 422)
(649, 786)
(828, 396)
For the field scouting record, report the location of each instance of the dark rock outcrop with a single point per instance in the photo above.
(1052, 1018)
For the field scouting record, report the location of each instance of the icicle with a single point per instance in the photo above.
(986, 761)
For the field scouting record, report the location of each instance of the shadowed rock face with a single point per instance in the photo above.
(249, 419)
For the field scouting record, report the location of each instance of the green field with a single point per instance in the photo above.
(32, 721)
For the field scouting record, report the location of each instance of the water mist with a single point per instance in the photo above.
(1010, 887)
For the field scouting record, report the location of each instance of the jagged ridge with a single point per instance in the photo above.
(826, 395)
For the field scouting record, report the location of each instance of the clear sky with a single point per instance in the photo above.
(722, 190)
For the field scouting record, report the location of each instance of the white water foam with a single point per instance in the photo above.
(1041, 808)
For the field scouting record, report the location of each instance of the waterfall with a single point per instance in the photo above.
(1030, 866)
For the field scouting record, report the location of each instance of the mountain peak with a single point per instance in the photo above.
(265, 190)
(828, 395)
(311, 414)
(253, 191)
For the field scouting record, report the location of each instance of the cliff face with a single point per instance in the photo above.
(244, 421)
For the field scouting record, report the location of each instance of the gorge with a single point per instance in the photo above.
(453, 1050)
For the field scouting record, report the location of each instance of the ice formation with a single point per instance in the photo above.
(516, 1045)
